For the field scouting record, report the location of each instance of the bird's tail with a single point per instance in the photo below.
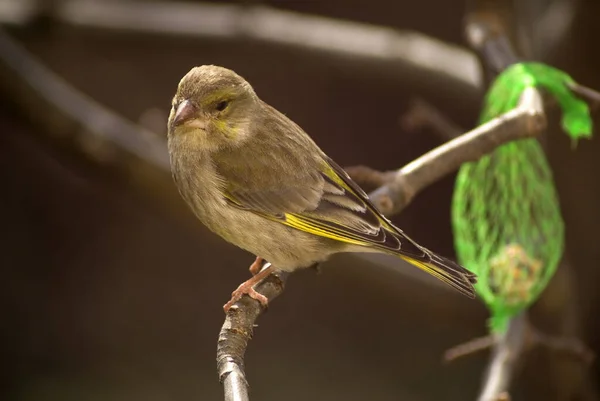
(446, 270)
(442, 268)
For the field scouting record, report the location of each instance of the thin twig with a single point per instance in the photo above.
(470, 347)
(367, 176)
(533, 338)
(565, 345)
(422, 114)
(590, 95)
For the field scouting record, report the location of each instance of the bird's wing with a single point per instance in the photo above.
(320, 198)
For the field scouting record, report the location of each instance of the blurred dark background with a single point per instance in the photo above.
(111, 290)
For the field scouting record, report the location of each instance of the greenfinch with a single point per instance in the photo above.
(255, 178)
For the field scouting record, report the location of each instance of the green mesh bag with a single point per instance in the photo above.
(506, 217)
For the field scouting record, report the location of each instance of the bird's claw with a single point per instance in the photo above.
(246, 289)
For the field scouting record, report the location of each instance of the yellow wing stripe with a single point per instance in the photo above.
(441, 275)
(301, 223)
(342, 235)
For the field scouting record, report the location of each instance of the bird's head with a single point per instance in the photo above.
(212, 108)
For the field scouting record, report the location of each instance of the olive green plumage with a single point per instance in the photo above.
(255, 178)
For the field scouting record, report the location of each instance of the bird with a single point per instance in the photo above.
(254, 177)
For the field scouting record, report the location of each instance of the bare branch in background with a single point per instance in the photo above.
(422, 114)
(398, 52)
(488, 32)
(73, 118)
(533, 338)
(571, 346)
(471, 347)
(71, 110)
(549, 27)
(590, 95)
(369, 177)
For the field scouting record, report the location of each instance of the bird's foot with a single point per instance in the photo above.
(256, 266)
(247, 288)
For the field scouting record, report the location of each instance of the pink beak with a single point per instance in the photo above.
(185, 112)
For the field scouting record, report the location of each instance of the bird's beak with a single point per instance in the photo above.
(186, 114)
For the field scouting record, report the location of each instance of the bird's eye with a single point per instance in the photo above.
(222, 105)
